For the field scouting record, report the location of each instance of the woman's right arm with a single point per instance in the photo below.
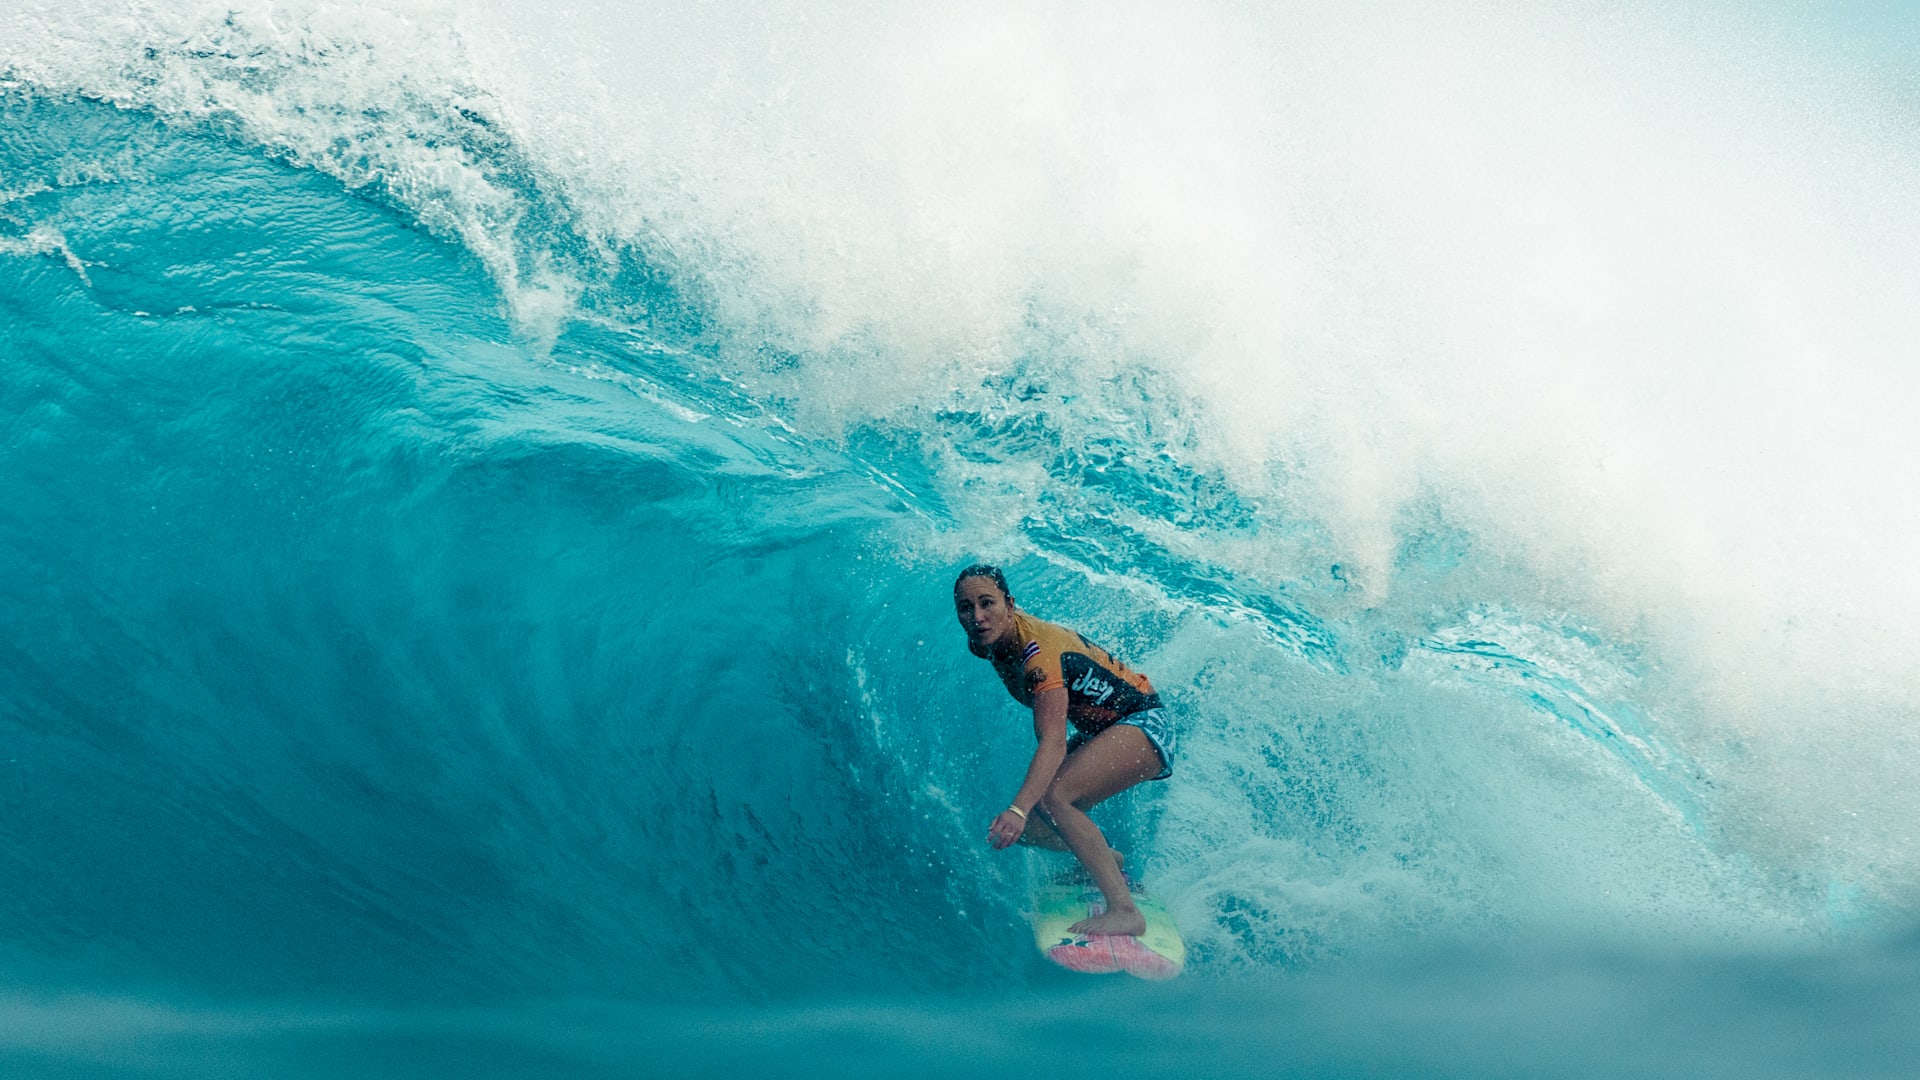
(1050, 731)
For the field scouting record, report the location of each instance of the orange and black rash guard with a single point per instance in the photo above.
(1100, 689)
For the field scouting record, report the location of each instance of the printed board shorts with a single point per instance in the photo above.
(1156, 725)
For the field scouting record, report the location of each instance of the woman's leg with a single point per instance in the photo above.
(1040, 834)
(1109, 763)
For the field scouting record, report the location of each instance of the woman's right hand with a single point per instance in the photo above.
(1006, 828)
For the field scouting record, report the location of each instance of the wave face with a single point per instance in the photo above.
(482, 487)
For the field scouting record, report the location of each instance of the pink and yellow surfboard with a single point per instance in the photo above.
(1159, 953)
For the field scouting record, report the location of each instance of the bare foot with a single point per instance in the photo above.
(1127, 923)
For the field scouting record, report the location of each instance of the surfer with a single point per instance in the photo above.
(1121, 735)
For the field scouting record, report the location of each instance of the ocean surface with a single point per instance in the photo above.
(480, 486)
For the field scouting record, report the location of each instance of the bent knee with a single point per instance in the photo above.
(1058, 797)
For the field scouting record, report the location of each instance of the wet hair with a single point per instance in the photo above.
(991, 573)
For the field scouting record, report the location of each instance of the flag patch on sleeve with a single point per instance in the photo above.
(1032, 647)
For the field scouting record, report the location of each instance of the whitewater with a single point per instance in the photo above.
(480, 487)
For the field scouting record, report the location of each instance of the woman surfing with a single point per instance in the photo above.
(1121, 737)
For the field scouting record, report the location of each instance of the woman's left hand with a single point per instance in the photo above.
(1006, 829)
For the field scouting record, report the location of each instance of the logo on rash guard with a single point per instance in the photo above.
(1091, 686)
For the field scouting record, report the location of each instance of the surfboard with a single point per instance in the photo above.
(1159, 953)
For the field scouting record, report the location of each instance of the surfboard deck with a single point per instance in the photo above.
(1160, 953)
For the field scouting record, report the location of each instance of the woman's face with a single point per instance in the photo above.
(986, 613)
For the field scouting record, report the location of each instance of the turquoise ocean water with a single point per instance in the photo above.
(479, 487)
